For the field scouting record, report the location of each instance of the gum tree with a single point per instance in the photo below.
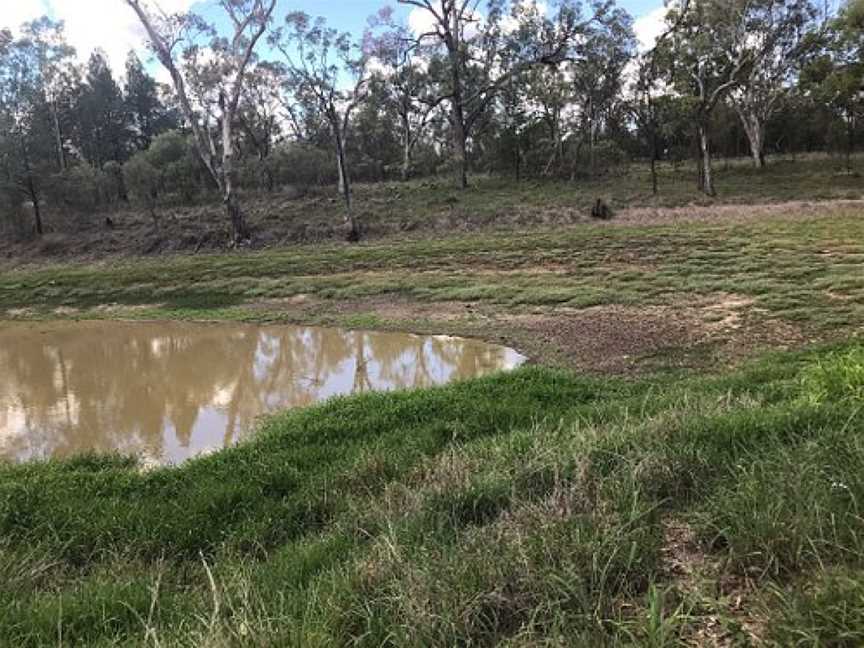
(484, 45)
(316, 57)
(780, 35)
(407, 87)
(28, 155)
(704, 58)
(179, 36)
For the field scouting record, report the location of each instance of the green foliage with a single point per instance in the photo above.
(169, 169)
(83, 189)
(300, 165)
(143, 179)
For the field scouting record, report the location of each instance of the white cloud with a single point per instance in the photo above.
(421, 21)
(107, 24)
(649, 27)
(17, 12)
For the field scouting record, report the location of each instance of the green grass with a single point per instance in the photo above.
(805, 272)
(517, 509)
(539, 507)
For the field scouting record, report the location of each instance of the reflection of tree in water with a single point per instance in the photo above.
(424, 361)
(165, 389)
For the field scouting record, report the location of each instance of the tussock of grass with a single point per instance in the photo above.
(520, 509)
(836, 376)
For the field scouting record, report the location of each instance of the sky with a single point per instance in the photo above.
(112, 26)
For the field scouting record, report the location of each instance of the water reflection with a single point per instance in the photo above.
(169, 391)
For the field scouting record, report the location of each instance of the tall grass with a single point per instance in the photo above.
(521, 509)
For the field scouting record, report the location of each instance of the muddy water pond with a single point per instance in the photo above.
(167, 392)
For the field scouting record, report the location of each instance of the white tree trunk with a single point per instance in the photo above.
(706, 175)
(754, 128)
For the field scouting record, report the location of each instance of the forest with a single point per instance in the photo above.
(285, 105)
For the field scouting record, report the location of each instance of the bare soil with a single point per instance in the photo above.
(613, 340)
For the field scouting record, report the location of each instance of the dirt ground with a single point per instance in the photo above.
(721, 330)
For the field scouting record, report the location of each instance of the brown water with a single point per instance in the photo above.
(170, 391)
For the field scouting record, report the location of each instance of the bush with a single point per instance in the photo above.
(13, 221)
(142, 179)
(177, 161)
(170, 167)
(115, 187)
(302, 165)
(254, 173)
(81, 189)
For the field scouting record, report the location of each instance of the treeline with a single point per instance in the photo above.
(497, 86)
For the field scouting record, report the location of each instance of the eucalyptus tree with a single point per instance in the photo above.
(481, 52)
(548, 89)
(598, 73)
(180, 36)
(645, 112)
(327, 72)
(780, 36)
(406, 83)
(834, 75)
(704, 58)
(27, 146)
(58, 72)
(259, 114)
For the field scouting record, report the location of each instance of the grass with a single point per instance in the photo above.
(764, 282)
(788, 267)
(540, 507)
(372, 520)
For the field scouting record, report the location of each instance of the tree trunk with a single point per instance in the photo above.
(340, 172)
(58, 138)
(517, 161)
(406, 162)
(654, 152)
(654, 172)
(239, 228)
(706, 177)
(460, 146)
(754, 128)
(37, 212)
(345, 184)
(406, 148)
(755, 135)
(460, 136)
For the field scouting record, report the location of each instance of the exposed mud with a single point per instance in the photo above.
(720, 329)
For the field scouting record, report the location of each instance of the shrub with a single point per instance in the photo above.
(142, 179)
(81, 189)
(170, 167)
(174, 156)
(302, 165)
(13, 221)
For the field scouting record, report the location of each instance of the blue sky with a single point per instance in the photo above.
(351, 15)
(112, 26)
